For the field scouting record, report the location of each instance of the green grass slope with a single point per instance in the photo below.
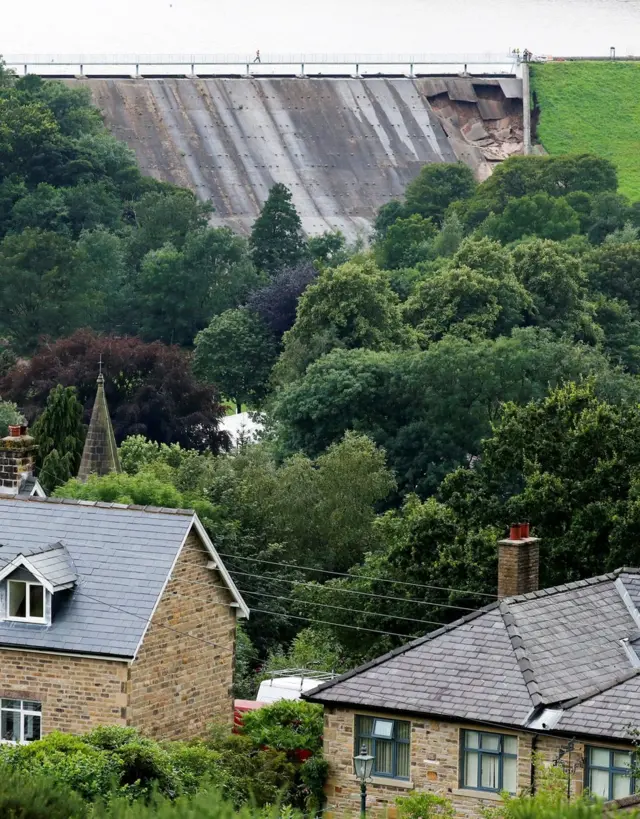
(595, 108)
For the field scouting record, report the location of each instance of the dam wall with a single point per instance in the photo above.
(343, 146)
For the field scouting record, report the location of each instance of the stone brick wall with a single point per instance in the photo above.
(518, 567)
(178, 685)
(77, 693)
(17, 458)
(435, 765)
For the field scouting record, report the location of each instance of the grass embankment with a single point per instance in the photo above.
(593, 108)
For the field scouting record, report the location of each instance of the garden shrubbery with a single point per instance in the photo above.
(261, 767)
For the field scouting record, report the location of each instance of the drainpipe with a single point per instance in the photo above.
(526, 108)
(534, 745)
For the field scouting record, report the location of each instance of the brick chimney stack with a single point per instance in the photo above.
(518, 562)
(17, 459)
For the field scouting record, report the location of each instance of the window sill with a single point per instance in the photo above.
(389, 781)
(477, 794)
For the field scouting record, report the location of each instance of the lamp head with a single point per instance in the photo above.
(363, 764)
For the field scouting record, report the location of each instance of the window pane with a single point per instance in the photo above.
(31, 728)
(600, 757)
(10, 726)
(11, 704)
(383, 728)
(510, 745)
(470, 769)
(17, 599)
(36, 601)
(471, 739)
(599, 783)
(384, 757)
(31, 705)
(621, 786)
(622, 760)
(365, 725)
(509, 775)
(403, 760)
(489, 767)
(403, 731)
(491, 742)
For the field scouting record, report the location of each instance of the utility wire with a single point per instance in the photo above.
(338, 625)
(358, 576)
(359, 612)
(352, 591)
(341, 608)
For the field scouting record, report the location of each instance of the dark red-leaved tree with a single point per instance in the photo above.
(150, 388)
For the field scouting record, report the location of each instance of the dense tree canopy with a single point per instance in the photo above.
(149, 387)
(477, 361)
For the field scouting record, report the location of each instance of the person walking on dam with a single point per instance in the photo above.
(257, 59)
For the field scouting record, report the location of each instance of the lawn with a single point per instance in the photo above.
(595, 108)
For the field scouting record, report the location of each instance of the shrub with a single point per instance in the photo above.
(287, 725)
(28, 797)
(424, 806)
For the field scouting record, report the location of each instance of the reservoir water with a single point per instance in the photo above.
(546, 27)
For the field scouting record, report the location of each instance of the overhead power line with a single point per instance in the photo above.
(338, 625)
(415, 600)
(359, 576)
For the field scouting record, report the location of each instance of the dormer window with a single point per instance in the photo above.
(31, 583)
(25, 601)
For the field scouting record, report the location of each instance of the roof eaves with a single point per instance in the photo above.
(220, 567)
(524, 663)
(308, 695)
(575, 584)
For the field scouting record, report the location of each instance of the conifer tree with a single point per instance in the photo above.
(276, 239)
(59, 434)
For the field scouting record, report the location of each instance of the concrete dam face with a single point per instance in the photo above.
(343, 146)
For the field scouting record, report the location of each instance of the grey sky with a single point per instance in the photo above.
(332, 26)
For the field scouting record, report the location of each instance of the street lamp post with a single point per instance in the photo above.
(363, 764)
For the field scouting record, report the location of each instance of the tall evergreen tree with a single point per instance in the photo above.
(59, 434)
(276, 239)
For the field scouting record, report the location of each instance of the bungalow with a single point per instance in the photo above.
(461, 711)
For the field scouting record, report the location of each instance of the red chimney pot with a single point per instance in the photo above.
(514, 531)
(524, 530)
(14, 430)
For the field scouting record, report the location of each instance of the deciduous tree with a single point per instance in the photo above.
(149, 387)
(236, 353)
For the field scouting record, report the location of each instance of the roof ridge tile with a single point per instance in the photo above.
(517, 643)
(103, 505)
(563, 587)
(600, 689)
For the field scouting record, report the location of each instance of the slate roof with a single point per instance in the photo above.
(121, 556)
(569, 649)
(54, 563)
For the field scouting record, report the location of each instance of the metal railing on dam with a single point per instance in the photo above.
(301, 65)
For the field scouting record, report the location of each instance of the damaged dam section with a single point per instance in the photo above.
(343, 146)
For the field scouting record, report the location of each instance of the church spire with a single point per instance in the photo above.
(100, 454)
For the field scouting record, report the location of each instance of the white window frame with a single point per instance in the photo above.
(28, 618)
(24, 712)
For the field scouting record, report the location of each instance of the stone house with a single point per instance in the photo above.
(461, 711)
(112, 615)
